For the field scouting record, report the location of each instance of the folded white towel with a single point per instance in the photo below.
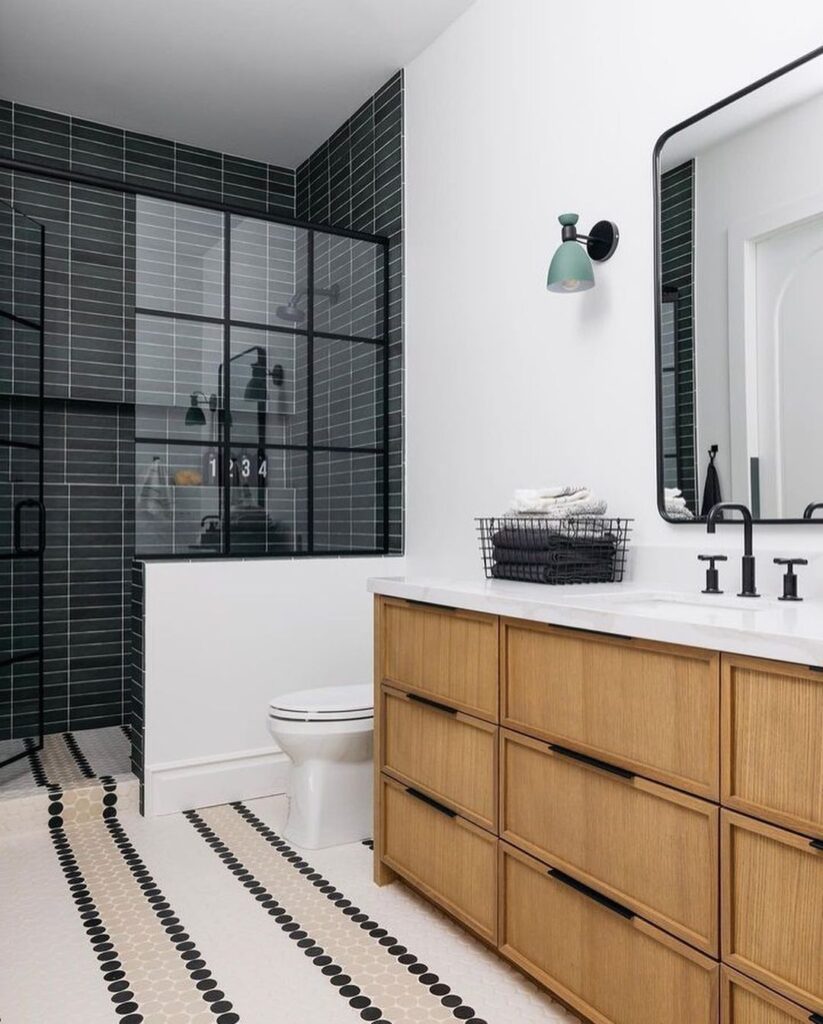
(590, 506)
(561, 491)
(540, 501)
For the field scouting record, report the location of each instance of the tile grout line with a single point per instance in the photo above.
(415, 967)
(333, 971)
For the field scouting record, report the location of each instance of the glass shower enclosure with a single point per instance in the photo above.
(22, 509)
(261, 396)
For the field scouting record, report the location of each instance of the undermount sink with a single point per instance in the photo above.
(657, 602)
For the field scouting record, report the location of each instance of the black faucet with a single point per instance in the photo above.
(810, 509)
(749, 588)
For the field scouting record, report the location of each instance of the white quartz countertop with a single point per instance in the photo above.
(761, 627)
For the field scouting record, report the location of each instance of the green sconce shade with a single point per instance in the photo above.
(570, 269)
(571, 266)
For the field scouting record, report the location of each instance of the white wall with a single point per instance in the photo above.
(221, 639)
(521, 111)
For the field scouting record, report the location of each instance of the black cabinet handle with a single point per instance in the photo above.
(18, 527)
(430, 604)
(432, 803)
(816, 844)
(816, 1018)
(432, 703)
(591, 894)
(593, 762)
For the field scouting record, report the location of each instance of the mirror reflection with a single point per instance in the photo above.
(740, 274)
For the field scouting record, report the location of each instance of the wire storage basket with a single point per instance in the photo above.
(539, 549)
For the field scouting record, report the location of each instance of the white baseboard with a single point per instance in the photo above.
(203, 782)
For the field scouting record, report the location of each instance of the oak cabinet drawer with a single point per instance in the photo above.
(450, 755)
(451, 860)
(448, 655)
(772, 741)
(643, 844)
(613, 968)
(772, 923)
(648, 707)
(743, 1001)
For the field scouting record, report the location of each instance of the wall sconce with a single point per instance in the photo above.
(571, 266)
(195, 417)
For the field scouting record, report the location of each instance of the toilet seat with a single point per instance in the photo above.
(324, 704)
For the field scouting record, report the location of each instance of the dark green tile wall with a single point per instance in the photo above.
(677, 265)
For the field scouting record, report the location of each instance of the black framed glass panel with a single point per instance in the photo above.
(269, 388)
(261, 420)
(179, 260)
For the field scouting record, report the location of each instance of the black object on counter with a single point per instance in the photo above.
(790, 579)
(540, 549)
(712, 575)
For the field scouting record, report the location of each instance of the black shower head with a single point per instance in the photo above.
(292, 312)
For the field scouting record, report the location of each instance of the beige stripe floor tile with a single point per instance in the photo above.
(379, 976)
(163, 988)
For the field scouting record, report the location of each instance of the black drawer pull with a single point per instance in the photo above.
(432, 803)
(430, 604)
(592, 894)
(432, 703)
(816, 1018)
(591, 761)
(816, 844)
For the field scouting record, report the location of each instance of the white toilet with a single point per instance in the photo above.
(327, 733)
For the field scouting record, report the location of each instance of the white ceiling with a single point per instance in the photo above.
(264, 79)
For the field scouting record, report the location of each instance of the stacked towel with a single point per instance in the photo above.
(535, 552)
(675, 504)
(561, 502)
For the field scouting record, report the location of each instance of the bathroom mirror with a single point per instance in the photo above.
(738, 287)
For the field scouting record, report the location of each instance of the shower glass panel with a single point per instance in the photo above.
(22, 512)
(261, 403)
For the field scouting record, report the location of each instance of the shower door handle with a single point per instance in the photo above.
(18, 527)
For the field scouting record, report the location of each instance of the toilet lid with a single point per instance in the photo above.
(325, 704)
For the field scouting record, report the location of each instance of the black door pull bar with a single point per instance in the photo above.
(592, 894)
(432, 703)
(432, 803)
(593, 762)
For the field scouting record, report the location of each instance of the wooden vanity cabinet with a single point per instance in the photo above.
(772, 716)
(743, 1001)
(646, 845)
(648, 707)
(638, 826)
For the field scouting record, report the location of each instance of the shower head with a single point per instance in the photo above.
(292, 312)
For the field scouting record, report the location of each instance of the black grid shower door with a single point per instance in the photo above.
(261, 386)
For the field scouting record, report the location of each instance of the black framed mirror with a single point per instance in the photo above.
(738, 194)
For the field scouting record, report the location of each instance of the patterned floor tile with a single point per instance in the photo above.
(212, 918)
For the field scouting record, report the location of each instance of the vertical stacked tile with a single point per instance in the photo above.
(355, 180)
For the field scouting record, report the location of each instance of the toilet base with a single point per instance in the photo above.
(330, 803)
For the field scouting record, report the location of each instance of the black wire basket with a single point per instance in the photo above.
(539, 549)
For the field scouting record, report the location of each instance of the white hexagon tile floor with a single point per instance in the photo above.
(211, 917)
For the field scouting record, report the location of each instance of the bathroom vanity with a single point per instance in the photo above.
(626, 803)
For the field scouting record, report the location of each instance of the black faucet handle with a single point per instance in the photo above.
(790, 578)
(712, 574)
